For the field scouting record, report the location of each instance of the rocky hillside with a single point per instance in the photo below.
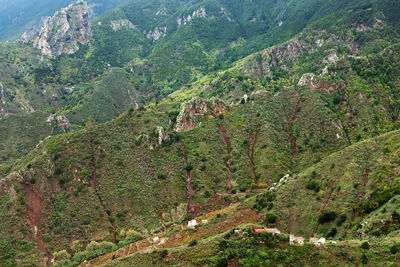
(24, 17)
(308, 126)
(61, 33)
(156, 48)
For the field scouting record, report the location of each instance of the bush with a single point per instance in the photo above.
(327, 216)
(61, 255)
(163, 253)
(161, 176)
(101, 247)
(243, 188)
(271, 218)
(365, 245)
(207, 194)
(77, 246)
(312, 185)
(394, 249)
(133, 236)
(332, 232)
(189, 167)
(193, 243)
(341, 220)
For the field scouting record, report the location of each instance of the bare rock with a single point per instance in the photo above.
(61, 33)
(190, 111)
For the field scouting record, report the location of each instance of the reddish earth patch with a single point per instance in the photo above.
(192, 207)
(288, 215)
(327, 200)
(365, 182)
(228, 161)
(34, 206)
(94, 182)
(251, 146)
(345, 127)
(289, 132)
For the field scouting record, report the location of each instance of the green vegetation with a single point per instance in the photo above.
(306, 139)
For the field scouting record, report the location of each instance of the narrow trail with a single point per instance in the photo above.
(327, 200)
(228, 161)
(250, 152)
(34, 206)
(94, 182)
(289, 132)
(288, 225)
(345, 126)
(189, 186)
(3, 98)
(365, 182)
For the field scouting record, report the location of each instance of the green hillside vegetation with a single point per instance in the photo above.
(321, 110)
(156, 67)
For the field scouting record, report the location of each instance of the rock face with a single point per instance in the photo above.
(61, 121)
(156, 34)
(200, 13)
(61, 33)
(121, 23)
(198, 108)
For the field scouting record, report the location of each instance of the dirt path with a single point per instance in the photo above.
(327, 200)
(94, 182)
(250, 152)
(189, 186)
(289, 132)
(365, 182)
(344, 126)
(34, 206)
(228, 161)
(288, 215)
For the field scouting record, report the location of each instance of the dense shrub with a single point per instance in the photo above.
(341, 220)
(193, 243)
(327, 216)
(394, 249)
(61, 255)
(312, 185)
(133, 235)
(332, 232)
(161, 176)
(365, 245)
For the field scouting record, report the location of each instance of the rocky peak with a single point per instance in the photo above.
(61, 33)
(192, 111)
(199, 13)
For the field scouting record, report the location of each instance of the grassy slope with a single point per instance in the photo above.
(185, 54)
(128, 190)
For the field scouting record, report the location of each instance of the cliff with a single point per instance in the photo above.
(61, 33)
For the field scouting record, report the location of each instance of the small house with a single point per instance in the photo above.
(317, 242)
(298, 240)
(192, 224)
(273, 231)
(204, 221)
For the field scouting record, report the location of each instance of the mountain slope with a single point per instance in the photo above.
(21, 15)
(301, 107)
(160, 50)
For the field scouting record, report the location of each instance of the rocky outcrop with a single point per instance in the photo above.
(191, 112)
(200, 13)
(61, 33)
(61, 121)
(317, 82)
(162, 135)
(156, 34)
(121, 23)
